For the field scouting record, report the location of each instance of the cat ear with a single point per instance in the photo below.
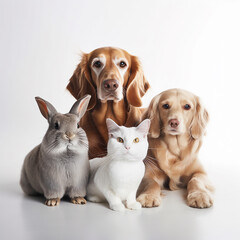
(144, 126)
(111, 125)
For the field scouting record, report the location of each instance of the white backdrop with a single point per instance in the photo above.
(194, 45)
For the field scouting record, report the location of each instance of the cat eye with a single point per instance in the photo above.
(119, 139)
(56, 126)
(136, 140)
(166, 106)
(78, 126)
(187, 107)
(122, 64)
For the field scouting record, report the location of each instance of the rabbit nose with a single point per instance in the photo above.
(69, 135)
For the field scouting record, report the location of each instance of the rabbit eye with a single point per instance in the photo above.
(136, 140)
(78, 126)
(56, 125)
(119, 139)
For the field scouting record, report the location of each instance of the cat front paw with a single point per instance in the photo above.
(200, 199)
(149, 200)
(117, 207)
(134, 205)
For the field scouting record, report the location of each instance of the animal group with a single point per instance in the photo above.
(107, 148)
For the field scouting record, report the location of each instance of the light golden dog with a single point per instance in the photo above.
(178, 122)
(115, 80)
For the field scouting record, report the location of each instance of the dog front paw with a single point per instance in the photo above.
(200, 199)
(52, 202)
(78, 200)
(149, 200)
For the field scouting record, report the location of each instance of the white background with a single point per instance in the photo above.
(194, 45)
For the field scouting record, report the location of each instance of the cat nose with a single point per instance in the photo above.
(127, 147)
(69, 135)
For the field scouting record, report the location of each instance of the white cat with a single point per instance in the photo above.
(116, 177)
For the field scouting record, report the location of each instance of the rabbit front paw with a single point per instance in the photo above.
(78, 200)
(52, 202)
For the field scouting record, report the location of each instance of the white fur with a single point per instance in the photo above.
(116, 177)
(97, 71)
(121, 71)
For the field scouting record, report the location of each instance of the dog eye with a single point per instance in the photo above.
(187, 106)
(165, 106)
(56, 126)
(119, 139)
(136, 140)
(97, 64)
(122, 64)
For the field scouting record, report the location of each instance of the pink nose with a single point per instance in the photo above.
(173, 123)
(110, 85)
(127, 147)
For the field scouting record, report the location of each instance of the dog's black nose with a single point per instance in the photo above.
(173, 123)
(110, 85)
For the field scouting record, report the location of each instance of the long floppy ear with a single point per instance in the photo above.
(200, 120)
(153, 114)
(137, 84)
(81, 84)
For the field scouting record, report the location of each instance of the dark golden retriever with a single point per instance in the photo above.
(116, 82)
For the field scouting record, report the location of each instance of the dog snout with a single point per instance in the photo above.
(174, 123)
(110, 85)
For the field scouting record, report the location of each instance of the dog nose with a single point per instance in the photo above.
(69, 135)
(173, 123)
(110, 85)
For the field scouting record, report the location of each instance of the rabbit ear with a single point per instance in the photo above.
(46, 108)
(80, 106)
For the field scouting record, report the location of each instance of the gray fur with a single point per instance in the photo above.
(59, 165)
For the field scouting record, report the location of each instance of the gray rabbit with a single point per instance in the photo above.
(59, 165)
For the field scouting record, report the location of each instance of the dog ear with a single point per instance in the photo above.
(200, 120)
(81, 84)
(137, 84)
(153, 114)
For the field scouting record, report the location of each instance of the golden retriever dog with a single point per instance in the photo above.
(115, 80)
(178, 122)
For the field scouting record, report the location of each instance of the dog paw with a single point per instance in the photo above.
(134, 205)
(149, 200)
(78, 200)
(200, 199)
(52, 202)
(117, 207)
